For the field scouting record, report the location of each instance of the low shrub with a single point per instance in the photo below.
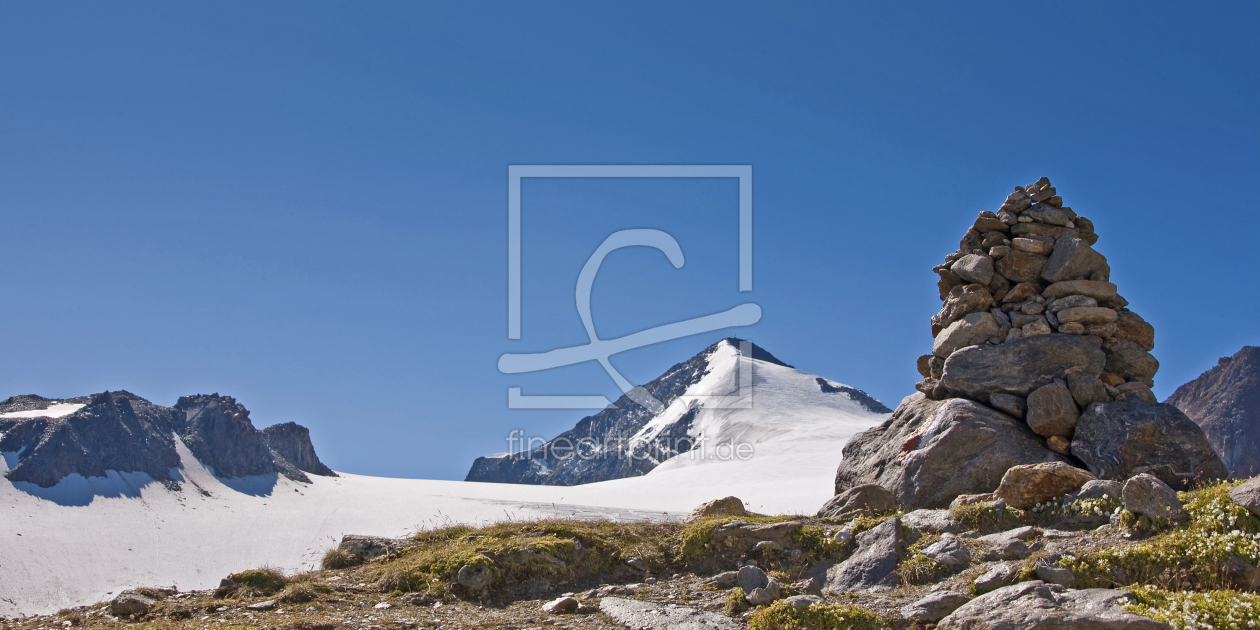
(782, 616)
(1190, 610)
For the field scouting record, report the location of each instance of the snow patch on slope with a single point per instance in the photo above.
(56, 410)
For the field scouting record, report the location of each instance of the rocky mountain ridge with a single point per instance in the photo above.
(1225, 403)
(628, 440)
(122, 432)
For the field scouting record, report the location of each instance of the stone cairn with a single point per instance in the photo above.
(1030, 270)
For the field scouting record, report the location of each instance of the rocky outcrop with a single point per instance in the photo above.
(292, 442)
(122, 432)
(113, 431)
(1225, 403)
(931, 451)
(1037, 605)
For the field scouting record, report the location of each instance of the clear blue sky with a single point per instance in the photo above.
(303, 204)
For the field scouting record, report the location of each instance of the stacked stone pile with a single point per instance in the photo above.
(1031, 324)
(1037, 361)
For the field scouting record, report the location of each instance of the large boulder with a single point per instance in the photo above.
(1051, 410)
(1021, 365)
(1037, 605)
(930, 451)
(1146, 495)
(1121, 439)
(1026, 486)
(874, 563)
(867, 499)
(727, 506)
(1127, 359)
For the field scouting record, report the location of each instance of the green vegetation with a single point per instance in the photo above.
(1190, 610)
(338, 558)
(551, 549)
(782, 616)
(735, 602)
(257, 582)
(815, 540)
(1185, 556)
(985, 516)
(697, 536)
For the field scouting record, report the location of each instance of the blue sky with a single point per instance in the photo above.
(304, 204)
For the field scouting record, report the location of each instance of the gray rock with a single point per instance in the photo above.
(1072, 259)
(1037, 605)
(963, 299)
(1000, 575)
(932, 521)
(1051, 410)
(1247, 494)
(1135, 391)
(751, 577)
(1101, 291)
(1146, 495)
(766, 594)
(1026, 486)
(1120, 439)
(1009, 403)
(1021, 266)
(1021, 365)
(131, 603)
(365, 548)
(868, 499)
(1240, 574)
(1053, 574)
(1009, 545)
(874, 563)
(974, 268)
(1132, 327)
(803, 602)
(929, 452)
(973, 329)
(1045, 213)
(1033, 245)
(269, 604)
(723, 580)
(1038, 326)
(1129, 360)
(473, 577)
(637, 564)
(1087, 315)
(949, 551)
(639, 615)
(1086, 389)
(934, 607)
(1071, 301)
(1098, 489)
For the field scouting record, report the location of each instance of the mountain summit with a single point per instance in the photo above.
(731, 393)
(122, 432)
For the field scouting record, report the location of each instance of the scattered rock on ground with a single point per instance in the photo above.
(932, 521)
(1000, 575)
(873, 563)
(131, 603)
(934, 607)
(639, 615)
(1148, 496)
(1037, 605)
(1247, 494)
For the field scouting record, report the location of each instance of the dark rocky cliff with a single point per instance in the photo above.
(122, 432)
(1225, 403)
